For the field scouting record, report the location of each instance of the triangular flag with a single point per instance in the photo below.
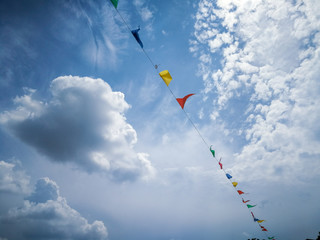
(183, 100)
(245, 201)
(213, 152)
(256, 219)
(220, 164)
(234, 184)
(240, 192)
(115, 3)
(228, 176)
(250, 206)
(166, 77)
(260, 221)
(263, 229)
(137, 37)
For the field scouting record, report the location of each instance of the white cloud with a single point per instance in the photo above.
(270, 62)
(138, 3)
(83, 123)
(12, 179)
(145, 13)
(45, 190)
(48, 216)
(105, 39)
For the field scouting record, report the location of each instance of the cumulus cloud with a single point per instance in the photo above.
(45, 190)
(144, 11)
(13, 179)
(270, 66)
(83, 123)
(46, 215)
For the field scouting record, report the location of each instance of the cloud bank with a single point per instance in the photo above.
(12, 179)
(267, 81)
(46, 215)
(83, 123)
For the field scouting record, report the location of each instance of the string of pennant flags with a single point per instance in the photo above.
(166, 77)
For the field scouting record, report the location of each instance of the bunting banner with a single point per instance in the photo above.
(166, 77)
(183, 100)
(256, 219)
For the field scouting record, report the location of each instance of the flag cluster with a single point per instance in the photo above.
(240, 192)
(166, 77)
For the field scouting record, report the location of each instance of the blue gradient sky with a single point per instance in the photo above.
(93, 145)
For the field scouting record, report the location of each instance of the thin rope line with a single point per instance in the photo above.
(236, 190)
(124, 20)
(194, 126)
(127, 25)
(148, 58)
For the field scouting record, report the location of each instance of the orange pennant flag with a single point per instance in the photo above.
(183, 100)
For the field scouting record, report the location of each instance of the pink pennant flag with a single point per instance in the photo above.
(220, 164)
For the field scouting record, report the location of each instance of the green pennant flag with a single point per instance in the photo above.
(213, 152)
(115, 3)
(250, 206)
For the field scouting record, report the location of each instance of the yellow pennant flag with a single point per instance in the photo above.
(234, 184)
(166, 77)
(260, 221)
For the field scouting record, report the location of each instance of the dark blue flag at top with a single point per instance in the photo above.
(136, 36)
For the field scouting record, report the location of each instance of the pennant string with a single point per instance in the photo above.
(195, 127)
(154, 66)
(129, 28)
(233, 183)
(150, 60)
(124, 21)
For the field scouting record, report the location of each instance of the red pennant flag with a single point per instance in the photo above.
(183, 100)
(263, 229)
(252, 214)
(240, 192)
(220, 164)
(245, 201)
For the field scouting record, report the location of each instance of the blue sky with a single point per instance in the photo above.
(94, 146)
